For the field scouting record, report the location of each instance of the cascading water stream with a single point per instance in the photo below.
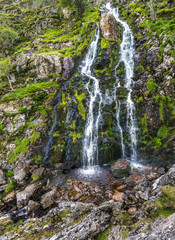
(90, 146)
(126, 56)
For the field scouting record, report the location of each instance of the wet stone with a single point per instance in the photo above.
(121, 168)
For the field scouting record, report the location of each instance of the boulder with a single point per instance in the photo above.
(23, 197)
(109, 27)
(121, 168)
(48, 198)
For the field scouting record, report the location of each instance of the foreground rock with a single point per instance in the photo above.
(162, 230)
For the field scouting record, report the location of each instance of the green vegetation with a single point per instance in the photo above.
(11, 186)
(78, 4)
(28, 91)
(166, 204)
(81, 108)
(151, 85)
(35, 177)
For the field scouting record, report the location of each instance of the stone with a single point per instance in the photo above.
(132, 210)
(32, 206)
(23, 197)
(109, 27)
(135, 179)
(118, 196)
(121, 168)
(48, 198)
(21, 174)
(2, 178)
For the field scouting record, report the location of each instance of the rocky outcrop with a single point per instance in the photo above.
(97, 221)
(40, 65)
(109, 27)
(161, 229)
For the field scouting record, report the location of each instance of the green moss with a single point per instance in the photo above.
(104, 43)
(81, 108)
(35, 177)
(1, 127)
(75, 135)
(151, 85)
(28, 91)
(166, 204)
(104, 235)
(11, 186)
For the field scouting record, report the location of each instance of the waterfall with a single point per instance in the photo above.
(90, 145)
(126, 56)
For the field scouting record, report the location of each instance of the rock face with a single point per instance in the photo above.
(163, 230)
(48, 199)
(41, 65)
(121, 168)
(109, 28)
(2, 178)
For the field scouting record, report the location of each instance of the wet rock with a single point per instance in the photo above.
(118, 196)
(121, 168)
(21, 174)
(135, 179)
(32, 206)
(3, 188)
(48, 198)
(23, 197)
(132, 210)
(2, 178)
(109, 27)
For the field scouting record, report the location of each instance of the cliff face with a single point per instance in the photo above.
(44, 107)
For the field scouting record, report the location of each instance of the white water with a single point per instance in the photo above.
(127, 57)
(90, 145)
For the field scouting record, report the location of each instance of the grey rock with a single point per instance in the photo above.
(48, 198)
(32, 206)
(68, 65)
(97, 221)
(21, 174)
(168, 178)
(162, 230)
(2, 178)
(116, 233)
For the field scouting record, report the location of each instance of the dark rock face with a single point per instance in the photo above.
(68, 65)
